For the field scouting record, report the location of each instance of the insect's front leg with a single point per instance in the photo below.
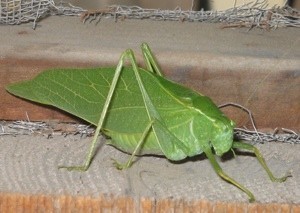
(222, 174)
(90, 154)
(240, 145)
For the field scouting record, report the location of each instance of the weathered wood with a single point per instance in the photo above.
(65, 203)
(259, 70)
(276, 104)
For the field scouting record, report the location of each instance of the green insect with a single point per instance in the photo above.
(141, 111)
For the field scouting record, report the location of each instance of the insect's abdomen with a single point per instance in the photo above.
(128, 142)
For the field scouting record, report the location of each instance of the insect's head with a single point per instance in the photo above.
(222, 137)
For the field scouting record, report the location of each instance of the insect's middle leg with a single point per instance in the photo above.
(170, 145)
(136, 150)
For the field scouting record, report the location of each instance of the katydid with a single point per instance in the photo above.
(141, 111)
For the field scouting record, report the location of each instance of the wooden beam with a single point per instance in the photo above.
(65, 203)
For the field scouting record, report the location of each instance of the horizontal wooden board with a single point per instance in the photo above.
(257, 69)
(276, 104)
(48, 203)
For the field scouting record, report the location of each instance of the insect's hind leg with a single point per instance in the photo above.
(240, 145)
(222, 174)
(150, 60)
(91, 151)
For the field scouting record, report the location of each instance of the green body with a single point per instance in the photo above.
(193, 118)
(141, 111)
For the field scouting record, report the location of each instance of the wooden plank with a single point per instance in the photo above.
(272, 107)
(30, 179)
(64, 203)
(259, 71)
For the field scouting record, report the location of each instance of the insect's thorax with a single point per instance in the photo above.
(216, 129)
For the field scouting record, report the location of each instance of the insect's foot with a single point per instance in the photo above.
(282, 179)
(251, 199)
(74, 168)
(251, 196)
(118, 165)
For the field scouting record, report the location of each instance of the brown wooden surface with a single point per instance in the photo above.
(48, 203)
(275, 106)
(257, 69)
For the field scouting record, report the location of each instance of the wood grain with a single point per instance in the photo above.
(259, 70)
(274, 106)
(48, 203)
(29, 173)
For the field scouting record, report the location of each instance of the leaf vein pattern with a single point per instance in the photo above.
(73, 92)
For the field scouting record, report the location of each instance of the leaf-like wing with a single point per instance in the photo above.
(82, 92)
